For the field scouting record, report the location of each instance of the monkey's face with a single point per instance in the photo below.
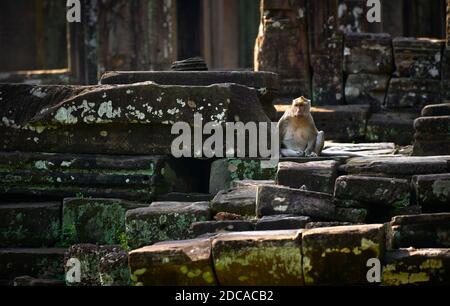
(301, 107)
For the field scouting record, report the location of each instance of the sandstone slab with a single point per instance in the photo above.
(367, 89)
(241, 201)
(432, 192)
(180, 263)
(412, 93)
(258, 258)
(163, 221)
(281, 222)
(391, 126)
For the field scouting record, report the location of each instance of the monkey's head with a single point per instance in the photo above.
(301, 107)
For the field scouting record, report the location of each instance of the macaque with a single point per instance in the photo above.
(299, 136)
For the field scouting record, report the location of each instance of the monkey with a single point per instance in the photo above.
(299, 136)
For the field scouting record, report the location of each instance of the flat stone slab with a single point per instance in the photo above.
(313, 225)
(241, 201)
(180, 263)
(314, 176)
(39, 263)
(432, 126)
(396, 166)
(275, 200)
(420, 231)
(42, 175)
(339, 255)
(118, 119)
(30, 224)
(408, 267)
(163, 221)
(432, 192)
(373, 190)
(212, 227)
(90, 220)
(246, 183)
(266, 83)
(366, 149)
(258, 258)
(282, 222)
(391, 126)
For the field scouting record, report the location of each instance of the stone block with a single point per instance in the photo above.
(113, 269)
(312, 225)
(258, 258)
(432, 192)
(163, 221)
(391, 126)
(212, 227)
(281, 222)
(412, 93)
(367, 89)
(436, 110)
(241, 201)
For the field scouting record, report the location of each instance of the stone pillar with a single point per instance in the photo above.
(137, 35)
(282, 45)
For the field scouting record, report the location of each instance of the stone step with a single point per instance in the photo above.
(396, 166)
(432, 192)
(213, 227)
(313, 176)
(98, 221)
(420, 231)
(275, 200)
(39, 263)
(129, 119)
(100, 265)
(163, 221)
(408, 267)
(42, 175)
(182, 263)
(30, 225)
(436, 110)
(344, 123)
(240, 201)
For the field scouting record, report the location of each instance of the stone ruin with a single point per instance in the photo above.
(87, 173)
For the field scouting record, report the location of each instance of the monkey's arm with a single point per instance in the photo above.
(282, 126)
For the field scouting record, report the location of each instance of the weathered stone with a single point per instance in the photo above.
(436, 110)
(29, 224)
(432, 192)
(432, 136)
(184, 197)
(315, 176)
(390, 126)
(367, 89)
(28, 281)
(420, 231)
(403, 211)
(89, 256)
(446, 74)
(225, 216)
(42, 175)
(352, 16)
(190, 64)
(225, 171)
(163, 221)
(368, 53)
(240, 201)
(258, 258)
(396, 166)
(339, 255)
(353, 215)
(373, 190)
(266, 83)
(39, 263)
(100, 221)
(342, 123)
(181, 263)
(417, 267)
(312, 225)
(206, 227)
(287, 28)
(328, 77)
(113, 268)
(247, 183)
(366, 149)
(417, 57)
(281, 222)
(118, 119)
(412, 93)
(275, 200)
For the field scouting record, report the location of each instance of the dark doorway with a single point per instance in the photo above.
(189, 20)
